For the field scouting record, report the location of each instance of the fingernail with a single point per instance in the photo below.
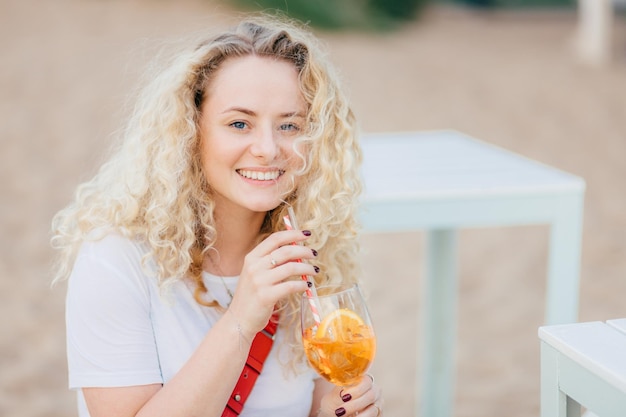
(309, 284)
(340, 411)
(317, 269)
(306, 232)
(346, 397)
(314, 252)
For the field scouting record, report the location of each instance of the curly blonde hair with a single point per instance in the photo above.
(153, 188)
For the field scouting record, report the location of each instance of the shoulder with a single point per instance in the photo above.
(115, 250)
(114, 260)
(110, 340)
(111, 244)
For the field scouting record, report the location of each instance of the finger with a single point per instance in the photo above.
(365, 384)
(291, 270)
(293, 253)
(362, 396)
(373, 410)
(286, 288)
(267, 255)
(278, 239)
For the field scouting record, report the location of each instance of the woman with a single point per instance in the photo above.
(176, 251)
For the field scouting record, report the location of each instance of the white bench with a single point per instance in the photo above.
(443, 181)
(583, 364)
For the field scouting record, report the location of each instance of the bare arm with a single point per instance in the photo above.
(204, 383)
(201, 387)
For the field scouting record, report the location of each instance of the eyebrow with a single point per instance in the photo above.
(252, 113)
(239, 110)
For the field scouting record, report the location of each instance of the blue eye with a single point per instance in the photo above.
(290, 127)
(238, 125)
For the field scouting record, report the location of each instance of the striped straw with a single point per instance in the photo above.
(311, 292)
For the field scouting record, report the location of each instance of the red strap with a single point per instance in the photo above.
(261, 346)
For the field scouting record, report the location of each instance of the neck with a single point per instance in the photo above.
(237, 235)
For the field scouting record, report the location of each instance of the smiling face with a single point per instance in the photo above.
(252, 114)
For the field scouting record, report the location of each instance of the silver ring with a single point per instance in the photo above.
(372, 378)
(273, 261)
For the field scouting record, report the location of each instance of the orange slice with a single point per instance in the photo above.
(342, 322)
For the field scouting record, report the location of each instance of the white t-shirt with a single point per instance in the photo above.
(121, 331)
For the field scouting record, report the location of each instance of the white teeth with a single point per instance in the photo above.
(257, 175)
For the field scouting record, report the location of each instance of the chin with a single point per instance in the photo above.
(264, 207)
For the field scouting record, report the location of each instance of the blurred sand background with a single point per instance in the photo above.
(508, 78)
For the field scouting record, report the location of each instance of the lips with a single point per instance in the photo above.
(260, 175)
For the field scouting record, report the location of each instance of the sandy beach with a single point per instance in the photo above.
(510, 79)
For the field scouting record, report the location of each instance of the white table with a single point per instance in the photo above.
(583, 364)
(442, 181)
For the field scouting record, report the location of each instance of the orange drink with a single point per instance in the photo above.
(342, 348)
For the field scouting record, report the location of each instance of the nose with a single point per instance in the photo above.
(265, 144)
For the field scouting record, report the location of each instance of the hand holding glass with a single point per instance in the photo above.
(340, 345)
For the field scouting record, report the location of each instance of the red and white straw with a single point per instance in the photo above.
(311, 293)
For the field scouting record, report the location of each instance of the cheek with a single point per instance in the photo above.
(203, 155)
(296, 155)
(208, 160)
(296, 163)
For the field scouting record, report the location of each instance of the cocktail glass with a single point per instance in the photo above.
(339, 340)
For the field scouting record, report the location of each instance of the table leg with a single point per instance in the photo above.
(594, 30)
(554, 403)
(439, 323)
(564, 262)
